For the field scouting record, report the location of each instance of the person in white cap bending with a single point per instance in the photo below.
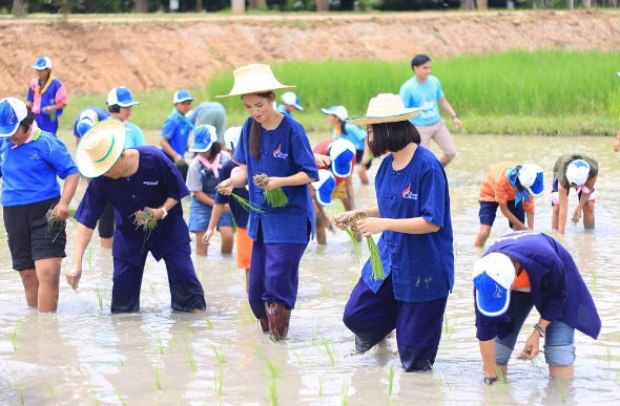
(579, 172)
(34, 207)
(290, 103)
(510, 187)
(145, 190)
(86, 119)
(46, 96)
(521, 271)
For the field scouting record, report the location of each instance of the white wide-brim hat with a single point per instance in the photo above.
(386, 108)
(254, 78)
(100, 148)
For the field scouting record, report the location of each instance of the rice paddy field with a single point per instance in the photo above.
(84, 355)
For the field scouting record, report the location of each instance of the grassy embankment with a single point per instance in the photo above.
(548, 92)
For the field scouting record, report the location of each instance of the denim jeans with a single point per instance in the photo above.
(559, 339)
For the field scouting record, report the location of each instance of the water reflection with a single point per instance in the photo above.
(85, 355)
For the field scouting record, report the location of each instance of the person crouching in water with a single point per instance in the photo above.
(415, 246)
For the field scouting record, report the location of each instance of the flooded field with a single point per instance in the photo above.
(85, 355)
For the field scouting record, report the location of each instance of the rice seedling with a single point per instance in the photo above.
(320, 387)
(344, 393)
(157, 377)
(378, 272)
(274, 197)
(390, 389)
(15, 334)
(274, 371)
(120, 397)
(100, 299)
(244, 202)
(273, 391)
(209, 324)
(218, 380)
(144, 219)
(20, 392)
(191, 361)
(53, 224)
(50, 390)
(448, 327)
(329, 349)
(219, 355)
(558, 381)
(80, 371)
(324, 289)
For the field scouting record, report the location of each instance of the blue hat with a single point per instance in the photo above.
(493, 276)
(42, 62)
(204, 137)
(324, 187)
(182, 96)
(12, 112)
(291, 99)
(531, 177)
(121, 96)
(342, 153)
(88, 118)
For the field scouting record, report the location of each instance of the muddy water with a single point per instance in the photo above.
(84, 355)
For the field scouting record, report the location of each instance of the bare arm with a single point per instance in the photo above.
(68, 190)
(563, 208)
(218, 209)
(165, 144)
(82, 238)
(416, 225)
(517, 224)
(298, 179)
(203, 197)
(448, 108)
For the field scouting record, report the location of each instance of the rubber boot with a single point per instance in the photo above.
(279, 317)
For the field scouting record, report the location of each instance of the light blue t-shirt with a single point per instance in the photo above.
(354, 134)
(134, 137)
(282, 109)
(423, 95)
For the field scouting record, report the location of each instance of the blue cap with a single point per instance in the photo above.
(204, 137)
(182, 96)
(324, 187)
(342, 153)
(121, 96)
(12, 112)
(493, 276)
(42, 62)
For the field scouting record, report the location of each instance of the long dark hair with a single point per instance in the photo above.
(255, 129)
(27, 122)
(392, 137)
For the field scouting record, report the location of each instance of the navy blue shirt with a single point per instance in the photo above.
(421, 265)
(284, 151)
(557, 288)
(240, 214)
(155, 181)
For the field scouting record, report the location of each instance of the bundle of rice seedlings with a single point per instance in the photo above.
(375, 259)
(275, 197)
(53, 222)
(244, 202)
(144, 218)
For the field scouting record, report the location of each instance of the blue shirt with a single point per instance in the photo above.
(29, 171)
(282, 109)
(557, 288)
(155, 181)
(240, 214)
(424, 95)
(134, 137)
(48, 98)
(176, 129)
(284, 151)
(421, 265)
(102, 114)
(354, 134)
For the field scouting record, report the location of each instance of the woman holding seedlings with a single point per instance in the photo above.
(521, 271)
(202, 179)
(276, 147)
(579, 172)
(34, 208)
(144, 189)
(415, 247)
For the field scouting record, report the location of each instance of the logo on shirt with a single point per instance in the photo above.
(498, 292)
(35, 157)
(278, 154)
(407, 194)
(151, 182)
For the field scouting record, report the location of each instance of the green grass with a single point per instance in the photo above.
(551, 92)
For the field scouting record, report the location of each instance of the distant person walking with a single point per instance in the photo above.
(424, 90)
(46, 96)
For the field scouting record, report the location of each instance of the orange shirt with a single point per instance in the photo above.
(522, 282)
(497, 188)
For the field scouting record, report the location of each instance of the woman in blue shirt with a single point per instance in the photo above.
(31, 160)
(413, 217)
(521, 271)
(278, 146)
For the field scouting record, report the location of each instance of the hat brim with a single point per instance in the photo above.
(8, 131)
(85, 164)
(253, 90)
(35, 67)
(184, 100)
(130, 104)
(407, 114)
(491, 304)
(201, 147)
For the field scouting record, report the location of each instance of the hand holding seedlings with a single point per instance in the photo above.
(59, 213)
(225, 187)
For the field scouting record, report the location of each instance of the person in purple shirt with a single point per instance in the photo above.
(140, 178)
(415, 246)
(278, 146)
(523, 270)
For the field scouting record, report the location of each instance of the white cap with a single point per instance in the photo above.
(12, 112)
(577, 172)
(121, 96)
(338, 111)
(231, 137)
(42, 62)
(531, 177)
(493, 276)
(291, 99)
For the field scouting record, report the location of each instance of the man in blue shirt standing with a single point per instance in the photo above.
(176, 129)
(423, 90)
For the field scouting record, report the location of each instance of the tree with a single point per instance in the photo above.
(142, 6)
(19, 7)
(322, 5)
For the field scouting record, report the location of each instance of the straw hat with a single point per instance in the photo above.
(100, 148)
(386, 108)
(254, 78)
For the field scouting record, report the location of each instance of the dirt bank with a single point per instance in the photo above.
(93, 55)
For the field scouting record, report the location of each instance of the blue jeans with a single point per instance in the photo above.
(559, 339)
